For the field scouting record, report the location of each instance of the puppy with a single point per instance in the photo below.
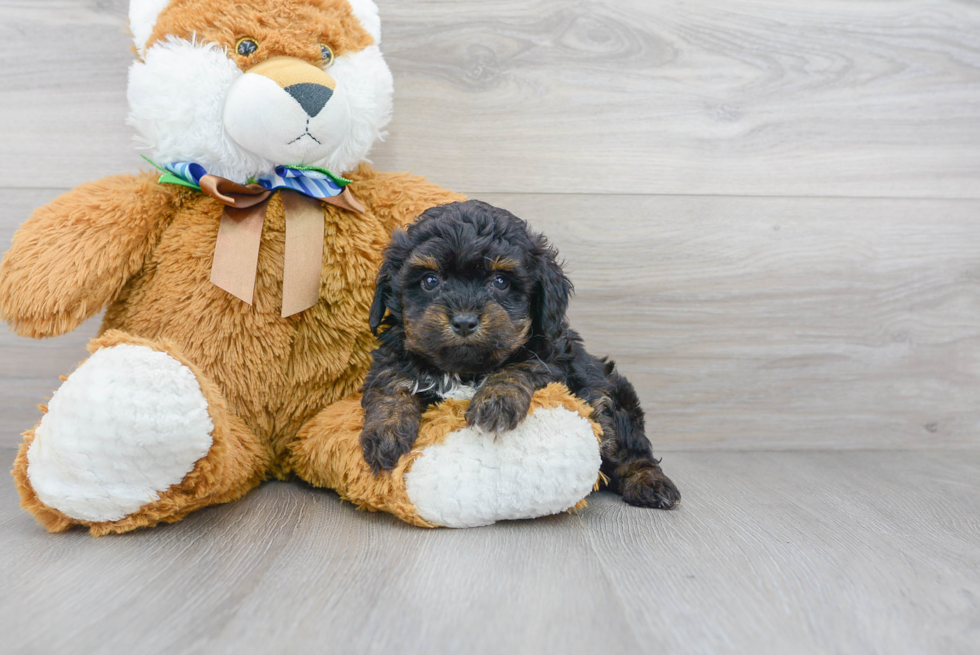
(468, 296)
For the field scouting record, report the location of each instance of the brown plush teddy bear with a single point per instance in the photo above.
(236, 288)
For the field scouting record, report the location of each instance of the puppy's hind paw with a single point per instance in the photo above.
(650, 488)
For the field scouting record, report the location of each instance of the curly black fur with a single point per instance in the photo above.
(468, 295)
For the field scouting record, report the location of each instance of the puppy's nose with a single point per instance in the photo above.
(311, 97)
(464, 323)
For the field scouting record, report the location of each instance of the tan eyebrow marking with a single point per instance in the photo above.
(424, 261)
(504, 264)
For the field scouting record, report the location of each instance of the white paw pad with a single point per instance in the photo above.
(124, 427)
(545, 466)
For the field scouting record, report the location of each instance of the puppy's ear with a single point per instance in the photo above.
(379, 305)
(553, 290)
(385, 289)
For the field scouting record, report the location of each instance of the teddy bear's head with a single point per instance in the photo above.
(243, 86)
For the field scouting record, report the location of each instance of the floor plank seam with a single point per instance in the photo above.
(626, 195)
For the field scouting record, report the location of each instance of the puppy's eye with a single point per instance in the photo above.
(500, 283)
(430, 282)
(327, 54)
(246, 46)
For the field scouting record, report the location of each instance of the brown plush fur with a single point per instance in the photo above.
(146, 250)
(281, 28)
(75, 254)
(328, 451)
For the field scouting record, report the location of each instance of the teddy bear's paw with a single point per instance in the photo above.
(546, 465)
(125, 426)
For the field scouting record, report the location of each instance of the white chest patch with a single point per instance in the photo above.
(124, 427)
(460, 392)
(447, 386)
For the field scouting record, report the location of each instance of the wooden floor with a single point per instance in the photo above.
(821, 552)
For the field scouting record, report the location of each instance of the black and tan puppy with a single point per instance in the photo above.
(468, 296)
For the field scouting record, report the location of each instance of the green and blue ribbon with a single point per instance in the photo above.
(308, 180)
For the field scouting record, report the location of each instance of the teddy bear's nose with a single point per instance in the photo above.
(311, 97)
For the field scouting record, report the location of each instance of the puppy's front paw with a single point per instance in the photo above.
(385, 439)
(649, 488)
(500, 407)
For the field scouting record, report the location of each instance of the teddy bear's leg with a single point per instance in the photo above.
(456, 476)
(136, 436)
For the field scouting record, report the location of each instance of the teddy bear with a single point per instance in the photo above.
(236, 279)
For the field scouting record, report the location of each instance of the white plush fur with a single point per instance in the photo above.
(367, 12)
(261, 117)
(176, 102)
(124, 427)
(143, 16)
(545, 466)
(182, 92)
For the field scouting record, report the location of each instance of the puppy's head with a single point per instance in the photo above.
(469, 284)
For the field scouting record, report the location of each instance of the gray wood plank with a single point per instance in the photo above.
(743, 322)
(858, 98)
(769, 553)
(804, 553)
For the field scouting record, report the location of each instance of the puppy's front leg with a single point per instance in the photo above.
(391, 420)
(505, 396)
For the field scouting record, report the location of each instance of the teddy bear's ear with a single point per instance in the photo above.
(143, 16)
(367, 12)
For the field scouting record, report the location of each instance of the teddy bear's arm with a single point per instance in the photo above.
(397, 198)
(75, 254)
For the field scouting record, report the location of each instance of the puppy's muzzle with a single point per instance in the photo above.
(308, 85)
(464, 323)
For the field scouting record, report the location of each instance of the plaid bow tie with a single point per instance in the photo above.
(236, 250)
(313, 182)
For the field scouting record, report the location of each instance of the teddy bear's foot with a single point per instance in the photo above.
(546, 465)
(456, 476)
(130, 439)
(124, 427)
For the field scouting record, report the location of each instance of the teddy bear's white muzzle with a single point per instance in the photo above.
(287, 118)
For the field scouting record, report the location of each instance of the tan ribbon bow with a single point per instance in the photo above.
(236, 251)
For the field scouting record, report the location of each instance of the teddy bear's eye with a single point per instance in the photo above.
(327, 54)
(246, 47)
